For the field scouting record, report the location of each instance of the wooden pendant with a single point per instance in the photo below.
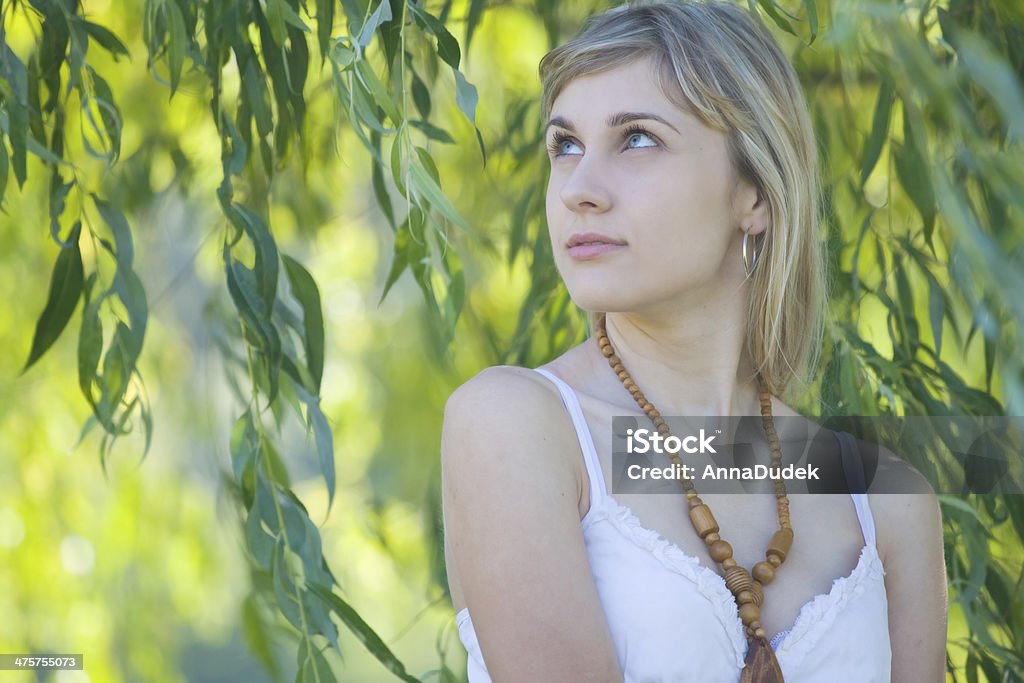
(761, 666)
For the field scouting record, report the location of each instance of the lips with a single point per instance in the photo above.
(591, 245)
(588, 238)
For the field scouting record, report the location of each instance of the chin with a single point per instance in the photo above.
(603, 299)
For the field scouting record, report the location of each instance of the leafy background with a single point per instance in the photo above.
(250, 246)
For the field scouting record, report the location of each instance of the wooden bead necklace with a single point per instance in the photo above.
(747, 588)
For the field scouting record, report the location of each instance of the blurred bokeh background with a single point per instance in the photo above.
(366, 167)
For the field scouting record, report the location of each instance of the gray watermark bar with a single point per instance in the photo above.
(953, 454)
(40, 662)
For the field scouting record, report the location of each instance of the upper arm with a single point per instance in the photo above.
(513, 532)
(911, 547)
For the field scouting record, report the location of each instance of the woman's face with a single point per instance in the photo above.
(650, 187)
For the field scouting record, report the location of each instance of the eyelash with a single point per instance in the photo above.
(559, 137)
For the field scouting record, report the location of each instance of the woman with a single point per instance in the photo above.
(678, 138)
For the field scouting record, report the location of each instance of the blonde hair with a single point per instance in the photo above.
(720, 65)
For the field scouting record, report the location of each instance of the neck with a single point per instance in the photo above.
(688, 363)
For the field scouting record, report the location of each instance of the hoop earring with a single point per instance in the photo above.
(749, 262)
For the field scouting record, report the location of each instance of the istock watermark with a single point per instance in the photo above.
(952, 454)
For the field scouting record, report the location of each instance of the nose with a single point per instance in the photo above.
(585, 189)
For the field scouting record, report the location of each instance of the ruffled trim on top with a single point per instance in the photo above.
(709, 584)
(817, 616)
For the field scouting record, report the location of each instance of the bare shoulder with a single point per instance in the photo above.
(905, 508)
(514, 548)
(502, 387)
(502, 407)
(908, 524)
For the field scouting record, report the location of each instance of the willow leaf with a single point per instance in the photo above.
(66, 283)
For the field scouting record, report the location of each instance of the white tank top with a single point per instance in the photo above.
(673, 620)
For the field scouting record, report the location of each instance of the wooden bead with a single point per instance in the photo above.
(703, 521)
(720, 550)
(737, 580)
(746, 586)
(763, 572)
(782, 541)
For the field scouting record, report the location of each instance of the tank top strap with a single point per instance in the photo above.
(572, 405)
(854, 471)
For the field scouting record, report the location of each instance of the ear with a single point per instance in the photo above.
(751, 208)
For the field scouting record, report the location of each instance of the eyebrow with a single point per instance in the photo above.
(614, 121)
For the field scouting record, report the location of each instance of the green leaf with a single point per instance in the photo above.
(936, 311)
(879, 131)
(380, 190)
(255, 88)
(466, 97)
(447, 46)
(129, 289)
(913, 170)
(4, 166)
(433, 132)
(812, 19)
(366, 635)
(429, 189)
(102, 35)
(113, 217)
(242, 286)
(285, 589)
(257, 636)
(109, 113)
(476, 11)
(958, 503)
(519, 224)
(428, 163)
(769, 8)
(324, 24)
(308, 295)
(396, 165)
(273, 10)
(90, 342)
(379, 94)
(420, 95)
(379, 16)
(266, 265)
(58, 198)
(16, 78)
(260, 544)
(366, 109)
(406, 251)
(177, 41)
(324, 446)
(990, 361)
(245, 445)
(341, 53)
(313, 668)
(65, 289)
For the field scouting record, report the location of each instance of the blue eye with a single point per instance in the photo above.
(556, 147)
(557, 140)
(637, 131)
